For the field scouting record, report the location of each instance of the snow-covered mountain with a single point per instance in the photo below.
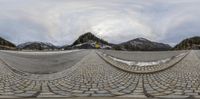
(89, 41)
(142, 44)
(36, 46)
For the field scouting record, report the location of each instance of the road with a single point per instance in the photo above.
(40, 63)
(90, 73)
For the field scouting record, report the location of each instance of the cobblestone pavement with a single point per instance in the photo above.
(92, 74)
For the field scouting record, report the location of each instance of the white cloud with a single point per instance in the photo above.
(62, 21)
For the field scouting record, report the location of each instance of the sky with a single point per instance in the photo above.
(62, 21)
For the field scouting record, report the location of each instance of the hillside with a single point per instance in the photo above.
(6, 45)
(89, 41)
(189, 43)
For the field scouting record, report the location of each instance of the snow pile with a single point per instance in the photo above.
(122, 61)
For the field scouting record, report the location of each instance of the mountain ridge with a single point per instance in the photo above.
(90, 41)
(143, 44)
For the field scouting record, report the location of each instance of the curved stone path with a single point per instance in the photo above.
(91, 75)
(143, 69)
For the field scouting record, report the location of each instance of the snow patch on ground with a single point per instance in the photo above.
(145, 63)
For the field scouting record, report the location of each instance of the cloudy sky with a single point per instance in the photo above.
(62, 21)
